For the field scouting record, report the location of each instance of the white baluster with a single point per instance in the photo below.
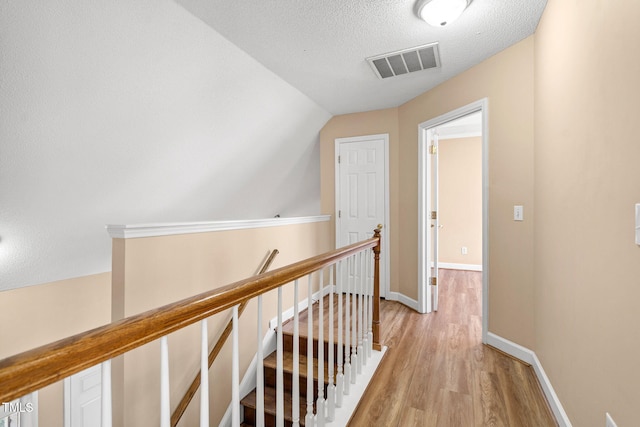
(235, 373)
(204, 374)
(106, 406)
(309, 416)
(260, 371)
(347, 332)
(361, 356)
(354, 327)
(370, 320)
(365, 306)
(165, 407)
(331, 388)
(340, 355)
(279, 368)
(320, 402)
(295, 379)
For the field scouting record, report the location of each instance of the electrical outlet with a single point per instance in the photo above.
(464, 250)
(637, 223)
(518, 213)
(610, 422)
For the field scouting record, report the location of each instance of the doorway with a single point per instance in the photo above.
(442, 227)
(362, 194)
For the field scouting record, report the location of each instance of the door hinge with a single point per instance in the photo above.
(434, 215)
(433, 149)
(339, 159)
(434, 281)
(339, 214)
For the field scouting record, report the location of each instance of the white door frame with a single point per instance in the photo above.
(424, 302)
(385, 281)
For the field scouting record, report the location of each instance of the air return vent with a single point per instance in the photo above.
(405, 61)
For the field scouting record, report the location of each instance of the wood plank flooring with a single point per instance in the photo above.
(438, 373)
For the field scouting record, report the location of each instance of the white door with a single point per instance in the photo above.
(361, 194)
(22, 412)
(82, 398)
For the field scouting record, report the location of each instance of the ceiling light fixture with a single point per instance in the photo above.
(440, 12)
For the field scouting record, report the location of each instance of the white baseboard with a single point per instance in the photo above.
(455, 266)
(403, 299)
(511, 348)
(529, 356)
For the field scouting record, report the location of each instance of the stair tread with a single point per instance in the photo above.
(270, 403)
(270, 366)
(287, 326)
(288, 347)
(271, 361)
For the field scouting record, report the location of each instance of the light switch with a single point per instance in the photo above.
(518, 213)
(637, 223)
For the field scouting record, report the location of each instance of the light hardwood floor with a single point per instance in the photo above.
(438, 373)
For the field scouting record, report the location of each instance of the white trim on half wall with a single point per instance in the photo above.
(168, 229)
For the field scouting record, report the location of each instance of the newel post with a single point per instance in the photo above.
(376, 289)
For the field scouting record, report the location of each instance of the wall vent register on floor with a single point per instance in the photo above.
(405, 61)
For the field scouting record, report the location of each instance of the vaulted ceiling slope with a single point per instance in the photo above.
(320, 46)
(125, 112)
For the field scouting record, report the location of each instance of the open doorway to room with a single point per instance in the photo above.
(453, 207)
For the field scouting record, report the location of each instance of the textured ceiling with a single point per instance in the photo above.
(320, 46)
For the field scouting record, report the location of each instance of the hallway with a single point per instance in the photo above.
(438, 373)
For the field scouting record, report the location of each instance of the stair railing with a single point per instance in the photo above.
(213, 354)
(32, 370)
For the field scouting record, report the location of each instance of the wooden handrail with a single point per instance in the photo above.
(195, 384)
(34, 369)
(269, 261)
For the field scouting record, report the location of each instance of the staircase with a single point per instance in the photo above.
(355, 273)
(249, 402)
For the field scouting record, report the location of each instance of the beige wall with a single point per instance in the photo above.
(359, 124)
(161, 270)
(506, 80)
(460, 200)
(587, 182)
(37, 315)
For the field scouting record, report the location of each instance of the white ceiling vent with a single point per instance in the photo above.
(405, 61)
